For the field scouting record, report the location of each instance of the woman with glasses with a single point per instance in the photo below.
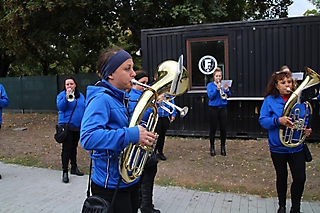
(277, 93)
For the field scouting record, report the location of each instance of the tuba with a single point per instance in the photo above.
(308, 89)
(172, 78)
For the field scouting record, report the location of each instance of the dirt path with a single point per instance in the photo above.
(247, 168)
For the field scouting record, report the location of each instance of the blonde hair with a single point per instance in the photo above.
(218, 69)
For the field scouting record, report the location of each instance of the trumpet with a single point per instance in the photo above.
(223, 95)
(70, 96)
(183, 111)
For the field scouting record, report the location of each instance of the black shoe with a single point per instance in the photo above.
(0, 177)
(223, 152)
(291, 211)
(76, 171)
(212, 152)
(65, 177)
(153, 210)
(161, 156)
(281, 210)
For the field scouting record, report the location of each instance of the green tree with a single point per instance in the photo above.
(56, 33)
(145, 14)
(315, 3)
(52, 37)
(313, 12)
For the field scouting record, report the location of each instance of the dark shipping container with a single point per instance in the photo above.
(248, 52)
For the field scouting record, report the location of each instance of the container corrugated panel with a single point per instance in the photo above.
(256, 49)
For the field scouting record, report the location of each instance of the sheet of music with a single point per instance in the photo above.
(228, 82)
(297, 75)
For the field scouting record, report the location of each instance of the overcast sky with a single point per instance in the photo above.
(299, 7)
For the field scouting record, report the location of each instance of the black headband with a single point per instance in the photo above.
(140, 75)
(114, 62)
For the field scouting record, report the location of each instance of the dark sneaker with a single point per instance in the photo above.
(76, 171)
(161, 156)
(281, 210)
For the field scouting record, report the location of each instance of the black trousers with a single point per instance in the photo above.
(218, 116)
(69, 150)
(146, 189)
(297, 166)
(161, 129)
(126, 200)
(149, 174)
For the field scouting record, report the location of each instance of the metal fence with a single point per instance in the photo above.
(38, 93)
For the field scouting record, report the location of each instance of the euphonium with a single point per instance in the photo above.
(308, 89)
(171, 80)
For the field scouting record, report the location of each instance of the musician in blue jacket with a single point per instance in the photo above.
(151, 167)
(105, 129)
(165, 118)
(4, 101)
(70, 104)
(276, 96)
(218, 112)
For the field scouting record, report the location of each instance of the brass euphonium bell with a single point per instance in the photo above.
(308, 89)
(172, 79)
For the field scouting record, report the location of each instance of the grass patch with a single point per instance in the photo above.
(23, 161)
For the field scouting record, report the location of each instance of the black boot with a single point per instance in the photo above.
(212, 152)
(291, 211)
(281, 210)
(153, 210)
(76, 171)
(65, 177)
(146, 199)
(223, 151)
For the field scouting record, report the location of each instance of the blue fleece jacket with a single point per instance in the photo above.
(214, 96)
(65, 109)
(270, 113)
(104, 128)
(164, 113)
(134, 98)
(4, 100)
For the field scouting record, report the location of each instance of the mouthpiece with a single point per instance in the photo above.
(135, 82)
(288, 89)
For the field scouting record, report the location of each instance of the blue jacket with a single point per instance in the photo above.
(104, 128)
(4, 100)
(214, 96)
(65, 109)
(134, 97)
(270, 113)
(163, 113)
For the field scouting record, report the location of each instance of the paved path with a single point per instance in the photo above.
(29, 189)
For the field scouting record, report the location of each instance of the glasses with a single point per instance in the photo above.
(284, 71)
